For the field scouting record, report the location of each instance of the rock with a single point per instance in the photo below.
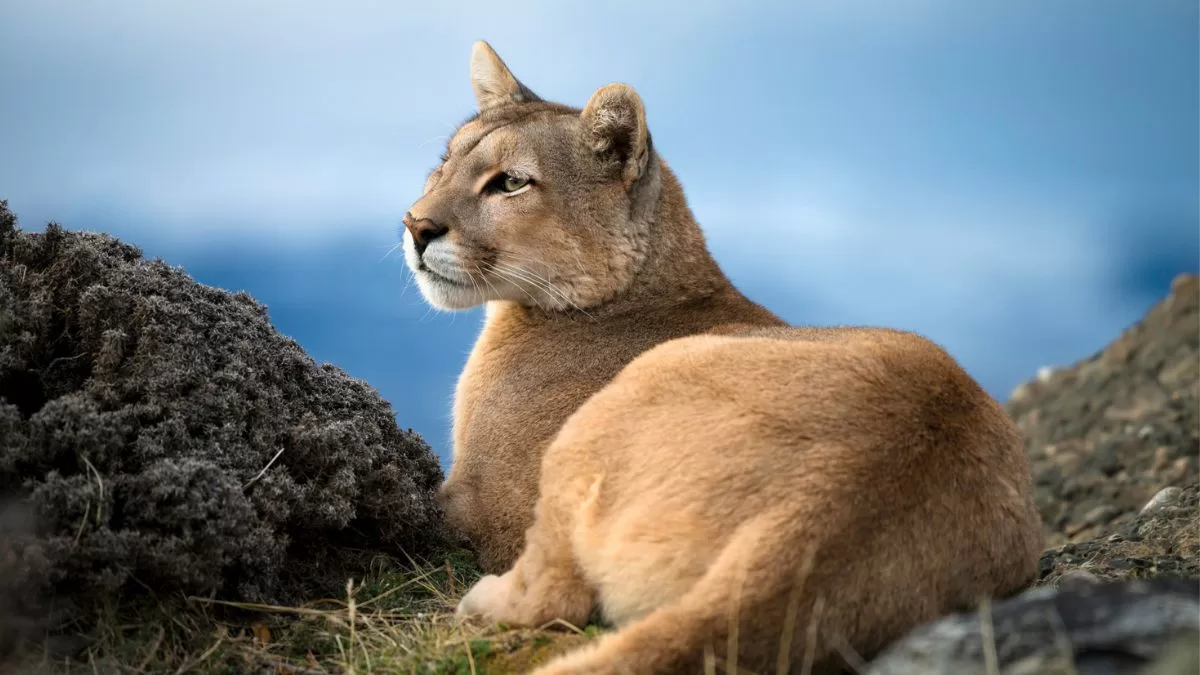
(1165, 499)
(1087, 629)
(1181, 657)
(158, 435)
(1077, 578)
(1162, 541)
(1107, 434)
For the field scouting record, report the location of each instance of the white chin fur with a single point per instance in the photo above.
(439, 292)
(446, 295)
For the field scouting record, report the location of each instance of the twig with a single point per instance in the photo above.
(564, 624)
(851, 657)
(192, 664)
(783, 662)
(731, 642)
(1062, 640)
(987, 634)
(100, 482)
(275, 609)
(83, 522)
(395, 589)
(351, 611)
(254, 480)
(345, 659)
(286, 668)
(63, 358)
(810, 636)
(153, 649)
(467, 646)
(710, 660)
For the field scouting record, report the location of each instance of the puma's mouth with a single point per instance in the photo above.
(436, 276)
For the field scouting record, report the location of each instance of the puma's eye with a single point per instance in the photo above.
(506, 182)
(512, 183)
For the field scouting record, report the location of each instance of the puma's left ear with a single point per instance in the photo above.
(614, 121)
(493, 82)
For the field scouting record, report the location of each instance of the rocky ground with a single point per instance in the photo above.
(1109, 434)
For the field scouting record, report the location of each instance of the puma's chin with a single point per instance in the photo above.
(445, 293)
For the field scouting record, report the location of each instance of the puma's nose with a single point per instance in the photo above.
(423, 231)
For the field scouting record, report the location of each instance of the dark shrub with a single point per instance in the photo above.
(158, 434)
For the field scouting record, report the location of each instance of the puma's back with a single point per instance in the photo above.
(781, 497)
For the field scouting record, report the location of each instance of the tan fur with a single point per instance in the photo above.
(700, 480)
(588, 268)
(726, 491)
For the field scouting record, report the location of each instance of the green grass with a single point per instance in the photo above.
(397, 619)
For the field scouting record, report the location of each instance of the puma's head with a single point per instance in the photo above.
(535, 202)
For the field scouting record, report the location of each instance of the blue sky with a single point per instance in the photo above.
(1015, 179)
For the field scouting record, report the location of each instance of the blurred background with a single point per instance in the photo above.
(1017, 180)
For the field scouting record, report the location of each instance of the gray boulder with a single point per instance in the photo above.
(1077, 628)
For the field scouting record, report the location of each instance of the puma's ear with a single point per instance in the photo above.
(614, 121)
(492, 81)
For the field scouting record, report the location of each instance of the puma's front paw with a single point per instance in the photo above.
(485, 600)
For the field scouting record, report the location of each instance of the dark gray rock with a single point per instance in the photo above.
(1108, 628)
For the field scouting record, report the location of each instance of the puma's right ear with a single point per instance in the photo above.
(614, 122)
(493, 82)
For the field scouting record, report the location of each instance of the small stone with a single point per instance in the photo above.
(1045, 566)
(1161, 458)
(1100, 515)
(1076, 579)
(1166, 498)
(1107, 458)
(1050, 476)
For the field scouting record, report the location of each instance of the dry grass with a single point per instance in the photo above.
(398, 619)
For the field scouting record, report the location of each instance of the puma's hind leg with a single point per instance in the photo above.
(744, 595)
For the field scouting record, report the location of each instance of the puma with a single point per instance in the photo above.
(633, 435)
